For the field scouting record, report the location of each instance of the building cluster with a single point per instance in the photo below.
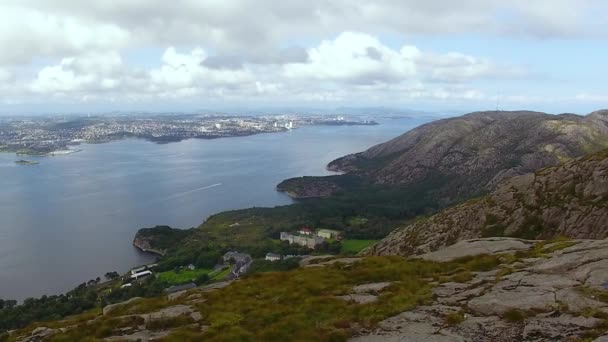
(41, 135)
(307, 237)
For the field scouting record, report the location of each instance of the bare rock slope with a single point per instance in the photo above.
(550, 293)
(567, 200)
(463, 156)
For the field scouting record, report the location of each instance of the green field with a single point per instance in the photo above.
(219, 275)
(182, 276)
(355, 246)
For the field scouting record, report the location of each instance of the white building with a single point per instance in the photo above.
(141, 274)
(328, 233)
(273, 257)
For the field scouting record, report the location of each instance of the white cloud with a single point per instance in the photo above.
(591, 97)
(28, 33)
(355, 57)
(186, 72)
(240, 50)
(352, 66)
(5, 76)
(458, 67)
(361, 58)
(256, 29)
(89, 72)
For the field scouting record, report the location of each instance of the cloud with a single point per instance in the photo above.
(266, 50)
(28, 33)
(255, 30)
(591, 97)
(5, 76)
(458, 67)
(356, 58)
(350, 67)
(362, 59)
(188, 71)
(91, 72)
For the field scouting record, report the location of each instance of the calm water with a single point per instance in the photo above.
(72, 218)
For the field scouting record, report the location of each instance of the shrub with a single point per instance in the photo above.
(514, 315)
(454, 318)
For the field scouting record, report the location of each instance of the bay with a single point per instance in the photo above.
(72, 218)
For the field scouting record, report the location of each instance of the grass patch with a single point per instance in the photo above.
(168, 323)
(352, 247)
(454, 318)
(217, 276)
(594, 293)
(558, 246)
(514, 315)
(182, 275)
(300, 304)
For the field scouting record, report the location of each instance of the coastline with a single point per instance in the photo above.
(141, 245)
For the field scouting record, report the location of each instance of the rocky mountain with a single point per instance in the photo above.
(566, 200)
(463, 156)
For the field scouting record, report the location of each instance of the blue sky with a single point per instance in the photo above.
(68, 55)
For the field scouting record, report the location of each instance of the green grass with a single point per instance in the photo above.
(355, 246)
(182, 276)
(454, 318)
(219, 275)
(301, 304)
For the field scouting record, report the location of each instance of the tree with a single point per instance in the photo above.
(111, 275)
(200, 280)
(207, 259)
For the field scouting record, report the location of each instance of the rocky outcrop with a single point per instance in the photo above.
(567, 200)
(365, 293)
(145, 245)
(463, 156)
(159, 239)
(478, 247)
(108, 309)
(549, 293)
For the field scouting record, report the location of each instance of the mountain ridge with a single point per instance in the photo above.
(566, 200)
(472, 153)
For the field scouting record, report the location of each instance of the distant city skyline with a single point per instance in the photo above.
(69, 56)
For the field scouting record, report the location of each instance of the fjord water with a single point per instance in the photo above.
(72, 218)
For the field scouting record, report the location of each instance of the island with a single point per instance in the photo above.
(26, 162)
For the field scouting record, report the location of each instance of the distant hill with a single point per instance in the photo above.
(569, 200)
(468, 155)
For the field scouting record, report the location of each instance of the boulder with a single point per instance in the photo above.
(478, 247)
(109, 308)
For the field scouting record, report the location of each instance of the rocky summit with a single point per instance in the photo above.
(463, 156)
(567, 200)
(542, 292)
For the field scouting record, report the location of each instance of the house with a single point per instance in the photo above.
(142, 274)
(236, 257)
(177, 288)
(143, 268)
(305, 231)
(310, 242)
(139, 269)
(328, 233)
(273, 257)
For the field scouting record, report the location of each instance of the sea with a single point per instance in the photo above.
(72, 218)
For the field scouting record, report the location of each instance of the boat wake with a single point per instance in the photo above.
(171, 197)
(181, 194)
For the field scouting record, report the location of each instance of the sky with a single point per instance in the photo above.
(432, 55)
